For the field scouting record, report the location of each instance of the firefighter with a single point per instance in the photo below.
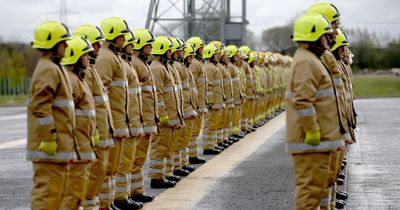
(200, 77)
(122, 175)
(171, 117)
(238, 98)
(189, 112)
(76, 61)
(312, 117)
(51, 119)
(142, 50)
(113, 76)
(248, 110)
(215, 99)
(103, 118)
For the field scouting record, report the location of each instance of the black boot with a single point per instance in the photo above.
(340, 204)
(161, 183)
(181, 172)
(188, 168)
(174, 178)
(339, 182)
(223, 144)
(196, 160)
(219, 148)
(142, 198)
(341, 195)
(126, 204)
(341, 176)
(211, 151)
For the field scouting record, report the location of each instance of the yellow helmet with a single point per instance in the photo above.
(310, 27)
(182, 43)
(252, 57)
(77, 46)
(161, 45)
(341, 40)
(246, 50)
(209, 50)
(261, 57)
(49, 33)
(233, 50)
(113, 27)
(130, 39)
(176, 44)
(218, 44)
(326, 9)
(92, 33)
(242, 54)
(143, 37)
(189, 50)
(196, 42)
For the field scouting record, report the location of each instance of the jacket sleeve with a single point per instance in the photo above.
(158, 74)
(210, 85)
(41, 101)
(305, 80)
(105, 70)
(201, 83)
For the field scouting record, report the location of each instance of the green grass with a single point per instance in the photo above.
(376, 86)
(19, 100)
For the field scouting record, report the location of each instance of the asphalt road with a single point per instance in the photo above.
(260, 178)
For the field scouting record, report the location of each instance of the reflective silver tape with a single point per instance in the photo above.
(250, 97)
(151, 129)
(185, 85)
(325, 93)
(134, 90)
(105, 196)
(156, 171)
(148, 88)
(122, 189)
(121, 131)
(202, 80)
(119, 83)
(203, 110)
(218, 106)
(101, 99)
(161, 104)
(106, 142)
(174, 122)
(57, 156)
(210, 93)
(92, 202)
(156, 162)
(63, 103)
(338, 81)
(87, 156)
(346, 136)
(45, 120)
(288, 95)
(136, 130)
(119, 179)
(169, 89)
(216, 82)
(135, 185)
(235, 79)
(191, 113)
(137, 176)
(322, 146)
(106, 185)
(85, 112)
(306, 112)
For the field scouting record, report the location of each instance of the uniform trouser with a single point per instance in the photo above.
(195, 134)
(236, 112)
(97, 175)
(75, 192)
(122, 175)
(49, 181)
(247, 114)
(330, 185)
(229, 123)
(169, 162)
(107, 191)
(160, 150)
(211, 121)
(142, 149)
(181, 157)
(222, 125)
(311, 176)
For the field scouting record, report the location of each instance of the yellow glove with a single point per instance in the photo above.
(164, 119)
(96, 139)
(313, 138)
(49, 147)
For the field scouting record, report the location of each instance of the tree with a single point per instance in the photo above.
(278, 38)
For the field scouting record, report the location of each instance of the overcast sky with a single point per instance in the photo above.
(20, 17)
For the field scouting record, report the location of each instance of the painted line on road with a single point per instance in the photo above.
(12, 144)
(190, 190)
(13, 117)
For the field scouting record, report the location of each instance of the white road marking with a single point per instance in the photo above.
(14, 143)
(12, 117)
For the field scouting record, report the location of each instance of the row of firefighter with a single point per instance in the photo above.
(106, 99)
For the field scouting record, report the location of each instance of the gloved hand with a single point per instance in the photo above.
(48, 146)
(96, 139)
(313, 138)
(164, 119)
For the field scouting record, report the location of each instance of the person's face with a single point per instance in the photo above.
(129, 49)
(61, 46)
(168, 54)
(341, 51)
(96, 48)
(335, 26)
(224, 58)
(175, 55)
(236, 58)
(200, 51)
(216, 56)
(147, 49)
(119, 41)
(189, 59)
(85, 60)
(181, 53)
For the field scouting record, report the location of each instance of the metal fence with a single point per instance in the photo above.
(9, 87)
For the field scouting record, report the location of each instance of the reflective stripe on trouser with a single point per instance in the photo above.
(49, 180)
(122, 175)
(159, 151)
(142, 149)
(113, 161)
(75, 192)
(195, 134)
(211, 120)
(236, 118)
(169, 163)
(183, 142)
(311, 176)
(222, 125)
(228, 123)
(247, 114)
(97, 175)
(185, 156)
